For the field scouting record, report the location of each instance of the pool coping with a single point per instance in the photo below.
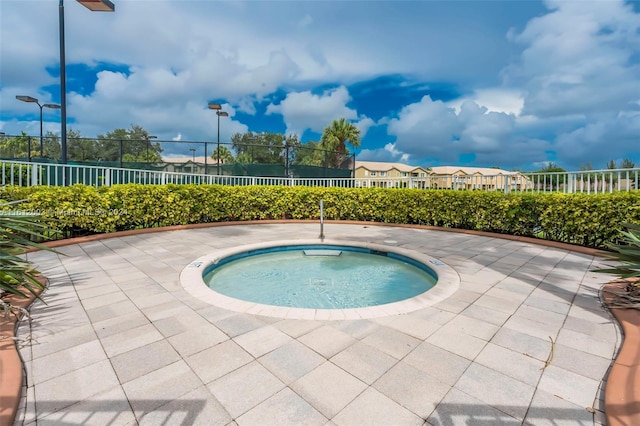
(629, 366)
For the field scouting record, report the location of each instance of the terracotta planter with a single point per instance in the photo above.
(622, 394)
(10, 362)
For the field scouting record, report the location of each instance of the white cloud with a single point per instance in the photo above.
(387, 154)
(495, 99)
(304, 110)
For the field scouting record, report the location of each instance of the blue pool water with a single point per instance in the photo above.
(319, 277)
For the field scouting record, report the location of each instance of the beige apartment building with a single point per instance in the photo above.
(390, 175)
(398, 175)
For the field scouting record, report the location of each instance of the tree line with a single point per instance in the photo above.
(128, 145)
(136, 145)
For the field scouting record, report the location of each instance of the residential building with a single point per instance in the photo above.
(390, 175)
(398, 175)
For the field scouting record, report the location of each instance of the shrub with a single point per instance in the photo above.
(589, 220)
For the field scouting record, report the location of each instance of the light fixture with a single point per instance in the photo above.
(217, 108)
(31, 99)
(93, 5)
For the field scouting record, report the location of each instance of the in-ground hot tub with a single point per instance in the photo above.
(304, 279)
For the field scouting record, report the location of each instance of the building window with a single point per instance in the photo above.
(373, 174)
(383, 173)
(404, 174)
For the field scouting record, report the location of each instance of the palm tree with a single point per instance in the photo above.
(335, 137)
(225, 155)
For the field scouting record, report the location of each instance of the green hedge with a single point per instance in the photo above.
(589, 220)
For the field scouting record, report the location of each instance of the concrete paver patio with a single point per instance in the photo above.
(120, 342)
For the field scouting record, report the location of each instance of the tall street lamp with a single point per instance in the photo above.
(193, 162)
(94, 6)
(148, 143)
(35, 101)
(219, 113)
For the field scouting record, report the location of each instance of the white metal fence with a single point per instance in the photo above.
(592, 181)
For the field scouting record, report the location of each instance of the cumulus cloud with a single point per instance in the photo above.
(305, 110)
(387, 154)
(577, 59)
(432, 130)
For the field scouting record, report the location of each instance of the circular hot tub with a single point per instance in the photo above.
(331, 280)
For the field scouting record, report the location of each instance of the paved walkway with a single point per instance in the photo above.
(119, 342)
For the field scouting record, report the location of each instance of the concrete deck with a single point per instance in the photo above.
(120, 342)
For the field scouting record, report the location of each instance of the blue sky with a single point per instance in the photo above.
(512, 83)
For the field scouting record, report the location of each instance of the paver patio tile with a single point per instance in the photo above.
(238, 324)
(551, 410)
(91, 292)
(586, 343)
(392, 342)
(572, 387)
(461, 409)
(282, 409)
(238, 391)
(119, 324)
(62, 362)
(215, 362)
(489, 315)
(498, 303)
(412, 388)
(140, 361)
(540, 315)
(462, 344)
(513, 364)
(263, 340)
(195, 408)
(556, 306)
(196, 339)
(111, 311)
(373, 408)
(159, 387)
(508, 395)
(411, 325)
(320, 389)
(523, 343)
(131, 339)
(291, 361)
(53, 339)
(77, 385)
(445, 366)
(364, 361)
(296, 328)
(580, 362)
(326, 340)
(106, 408)
(531, 327)
(471, 326)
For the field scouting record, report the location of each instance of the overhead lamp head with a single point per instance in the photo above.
(52, 106)
(151, 137)
(26, 98)
(98, 5)
(222, 113)
(215, 106)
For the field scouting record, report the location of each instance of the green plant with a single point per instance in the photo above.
(17, 228)
(627, 253)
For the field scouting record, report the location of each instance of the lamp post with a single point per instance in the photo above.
(94, 6)
(193, 162)
(148, 142)
(35, 101)
(217, 108)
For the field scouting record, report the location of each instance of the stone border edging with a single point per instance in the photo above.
(622, 393)
(622, 398)
(10, 361)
